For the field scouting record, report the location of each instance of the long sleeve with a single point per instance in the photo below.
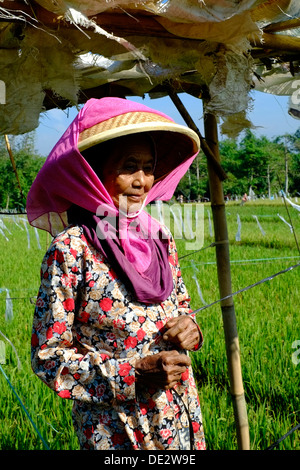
(183, 297)
(73, 369)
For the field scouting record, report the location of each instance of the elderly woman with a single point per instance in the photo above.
(111, 327)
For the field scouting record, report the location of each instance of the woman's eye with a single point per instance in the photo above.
(148, 169)
(130, 167)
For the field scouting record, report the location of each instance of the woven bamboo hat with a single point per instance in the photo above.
(116, 117)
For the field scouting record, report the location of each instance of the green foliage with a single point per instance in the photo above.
(267, 323)
(28, 163)
(265, 165)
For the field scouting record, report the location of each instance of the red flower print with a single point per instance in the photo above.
(130, 342)
(165, 433)
(139, 436)
(201, 446)
(50, 260)
(59, 327)
(34, 340)
(49, 365)
(106, 304)
(40, 303)
(171, 260)
(104, 357)
(76, 376)
(159, 325)
(73, 279)
(49, 333)
(113, 274)
(58, 256)
(140, 334)
(185, 375)
(119, 323)
(120, 397)
(84, 317)
(73, 252)
(100, 389)
(64, 394)
(151, 403)
(169, 395)
(124, 369)
(66, 282)
(110, 337)
(88, 432)
(129, 380)
(196, 426)
(118, 438)
(69, 304)
(143, 408)
(141, 319)
(65, 371)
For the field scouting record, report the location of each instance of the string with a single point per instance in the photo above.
(245, 288)
(23, 408)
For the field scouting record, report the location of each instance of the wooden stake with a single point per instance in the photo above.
(189, 122)
(13, 163)
(224, 279)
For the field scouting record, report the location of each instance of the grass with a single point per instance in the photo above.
(267, 321)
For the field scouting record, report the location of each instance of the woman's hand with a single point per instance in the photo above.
(162, 370)
(183, 332)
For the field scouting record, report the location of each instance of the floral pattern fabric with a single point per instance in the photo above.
(88, 331)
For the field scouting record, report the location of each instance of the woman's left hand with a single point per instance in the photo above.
(183, 332)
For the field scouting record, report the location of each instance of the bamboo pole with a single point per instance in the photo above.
(189, 122)
(216, 176)
(13, 163)
(276, 42)
(224, 279)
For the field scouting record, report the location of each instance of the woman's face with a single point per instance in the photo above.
(128, 172)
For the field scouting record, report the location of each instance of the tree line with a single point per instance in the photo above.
(267, 166)
(18, 173)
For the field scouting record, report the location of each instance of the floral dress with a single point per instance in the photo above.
(88, 331)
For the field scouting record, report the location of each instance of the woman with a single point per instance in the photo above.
(110, 328)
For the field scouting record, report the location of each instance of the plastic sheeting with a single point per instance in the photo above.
(207, 45)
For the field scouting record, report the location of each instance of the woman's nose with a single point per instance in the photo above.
(139, 178)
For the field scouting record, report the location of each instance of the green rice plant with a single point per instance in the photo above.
(267, 322)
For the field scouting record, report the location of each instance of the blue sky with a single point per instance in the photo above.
(269, 115)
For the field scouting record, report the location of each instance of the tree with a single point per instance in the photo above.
(28, 163)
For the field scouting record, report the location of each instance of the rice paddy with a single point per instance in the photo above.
(267, 321)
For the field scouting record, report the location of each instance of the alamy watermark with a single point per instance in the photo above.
(296, 354)
(295, 96)
(186, 222)
(2, 352)
(2, 92)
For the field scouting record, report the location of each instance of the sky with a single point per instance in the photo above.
(269, 115)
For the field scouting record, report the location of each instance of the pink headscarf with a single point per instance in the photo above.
(66, 180)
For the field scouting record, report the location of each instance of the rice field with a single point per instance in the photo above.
(267, 320)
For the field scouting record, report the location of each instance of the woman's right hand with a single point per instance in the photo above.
(162, 370)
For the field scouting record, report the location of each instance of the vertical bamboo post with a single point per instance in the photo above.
(13, 162)
(224, 279)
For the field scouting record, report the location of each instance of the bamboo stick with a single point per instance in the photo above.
(276, 42)
(206, 150)
(224, 279)
(282, 26)
(13, 163)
